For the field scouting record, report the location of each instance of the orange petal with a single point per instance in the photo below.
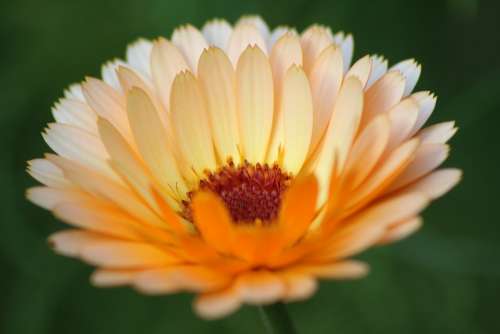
(213, 220)
(298, 209)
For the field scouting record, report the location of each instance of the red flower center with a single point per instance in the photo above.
(249, 191)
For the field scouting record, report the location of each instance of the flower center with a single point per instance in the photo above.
(249, 191)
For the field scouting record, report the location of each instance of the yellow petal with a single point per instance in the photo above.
(190, 123)
(217, 80)
(297, 115)
(166, 63)
(326, 78)
(285, 53)
(151, 140)
(255, 102)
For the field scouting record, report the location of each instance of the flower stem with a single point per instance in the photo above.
(276, 319)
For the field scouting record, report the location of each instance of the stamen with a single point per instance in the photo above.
(250, 192)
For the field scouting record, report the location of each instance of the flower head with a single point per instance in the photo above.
(240, 164)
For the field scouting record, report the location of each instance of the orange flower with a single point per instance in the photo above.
(240, 164)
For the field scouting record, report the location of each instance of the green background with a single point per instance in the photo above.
(445, 279)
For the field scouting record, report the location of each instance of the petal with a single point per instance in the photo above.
(49, 198)
(361, 69)
(367, 150)
(166, 62)
(139, 55)
(298, 209)
(411, 71)
(260, 287)
(379, 68)
(383, 95)
(426, 102)
(217, 33)
(126, 162)
(367, 227)
(190, 123)
(179, 278)
(297, 115)
(285, 53)
(437, 183)
(109, 76)
(112, 277)
(71, 242)
(218, 304)
(106, 190)
(401, 230)
(191, 43)
(427, 158)
(217, 80)
(108, 104)
(314, 40)
(402, 117)
(383, 175)
(298, 286)
(438, 133)
(255, 103)
(47, 173)
(279, 32)
(124, 254)
(326, 79)
(257, 22)
(78, 145)
(151, 139)
(340, 133)
(97, 218)
(213, 221)
(346, 44)
(336, 270)
(75, 113)
(244, 35)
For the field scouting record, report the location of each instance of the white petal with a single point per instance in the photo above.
(190, 123)
(139, 56)
(379, 68)
(191, 43)
(217, 33)
(411, 71)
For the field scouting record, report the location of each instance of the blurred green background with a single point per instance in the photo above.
(445, 279)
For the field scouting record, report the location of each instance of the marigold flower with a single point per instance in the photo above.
(240, 164)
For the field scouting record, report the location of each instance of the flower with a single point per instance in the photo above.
(240, 164)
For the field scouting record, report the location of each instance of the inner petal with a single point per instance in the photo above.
(250, 192)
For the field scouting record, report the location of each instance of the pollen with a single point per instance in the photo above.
(250, 192)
